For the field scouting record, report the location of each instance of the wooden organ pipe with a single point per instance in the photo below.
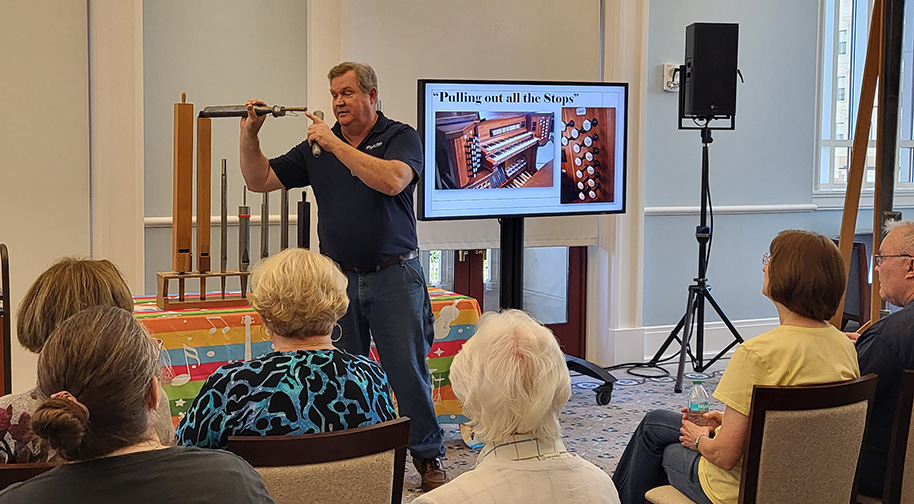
(183, 186)
(204, 196)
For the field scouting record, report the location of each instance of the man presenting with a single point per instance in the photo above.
(363, 182)
(887, 348)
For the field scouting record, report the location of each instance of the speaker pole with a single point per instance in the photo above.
(700, 107)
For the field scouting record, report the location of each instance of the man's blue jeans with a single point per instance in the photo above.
(392, 306)
(654, 457)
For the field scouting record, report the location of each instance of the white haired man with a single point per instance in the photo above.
(887, 348)
(512, 380)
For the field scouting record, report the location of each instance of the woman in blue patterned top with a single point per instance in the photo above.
(306, 385)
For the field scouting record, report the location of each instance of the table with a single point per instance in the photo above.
(196, 342)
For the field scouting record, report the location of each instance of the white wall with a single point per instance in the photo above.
(476, 39)
(220, 53)
(116, 141)
(44, 144)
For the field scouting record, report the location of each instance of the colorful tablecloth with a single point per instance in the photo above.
(196, 342)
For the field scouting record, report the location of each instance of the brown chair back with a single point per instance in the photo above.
(805, 442)
(14, 473)
(365, 464)
(899, 473)
(6, 317)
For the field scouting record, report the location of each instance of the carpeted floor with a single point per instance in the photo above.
(597, 433)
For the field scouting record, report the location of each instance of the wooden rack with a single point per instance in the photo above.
(182, 234)
(201, 300)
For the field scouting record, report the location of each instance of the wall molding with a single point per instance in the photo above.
(639, 344)
(733, 209)
(834, 200)
(214, 220)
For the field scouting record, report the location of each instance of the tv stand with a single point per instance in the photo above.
(512, 296)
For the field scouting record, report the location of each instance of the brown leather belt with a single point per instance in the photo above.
(412, 254)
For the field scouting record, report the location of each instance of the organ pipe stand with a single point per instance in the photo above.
(182, 233)
(512, 296)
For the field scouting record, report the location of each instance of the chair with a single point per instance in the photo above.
(14, 473)
(6, 317)
(899, 472)
(364, 465)
(857, 297)
(804, 444)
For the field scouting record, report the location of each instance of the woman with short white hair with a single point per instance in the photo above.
(512, 380)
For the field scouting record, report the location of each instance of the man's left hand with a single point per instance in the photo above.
(321, 133)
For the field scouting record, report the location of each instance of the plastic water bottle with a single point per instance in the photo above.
(698, 404)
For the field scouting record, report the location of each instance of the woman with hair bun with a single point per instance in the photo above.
(65, 288)
(99, 368)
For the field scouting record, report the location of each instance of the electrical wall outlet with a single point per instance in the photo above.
(670, 80)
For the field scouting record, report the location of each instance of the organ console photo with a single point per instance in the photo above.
(588, 154)
(489, 150)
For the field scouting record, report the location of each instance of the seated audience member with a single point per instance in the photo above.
(804, 276)
(306, 385)
(887, 348)
(512, 380)
(64, 289)
(99, 369)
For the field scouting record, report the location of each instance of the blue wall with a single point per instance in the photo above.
(767, 160)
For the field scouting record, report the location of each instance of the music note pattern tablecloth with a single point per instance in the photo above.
(197, 342)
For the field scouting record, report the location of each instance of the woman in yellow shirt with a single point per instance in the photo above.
(804, 276)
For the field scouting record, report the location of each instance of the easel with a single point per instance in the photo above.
(883, 65)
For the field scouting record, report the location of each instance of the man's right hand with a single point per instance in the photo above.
(251, 124)
(713, 418)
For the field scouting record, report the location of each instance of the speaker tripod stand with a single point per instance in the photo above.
(699, 292)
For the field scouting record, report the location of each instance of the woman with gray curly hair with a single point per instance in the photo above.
(512, 380)
(305, 385)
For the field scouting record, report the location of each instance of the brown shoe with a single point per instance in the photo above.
(433, 476)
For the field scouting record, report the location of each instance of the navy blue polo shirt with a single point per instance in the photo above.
(357, 225)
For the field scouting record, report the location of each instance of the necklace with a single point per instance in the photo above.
(148, 445)
(283, 344)
(293, 348)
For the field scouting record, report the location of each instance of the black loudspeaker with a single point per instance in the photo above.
(709, 83)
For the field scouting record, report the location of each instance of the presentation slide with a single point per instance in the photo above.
(498, 149)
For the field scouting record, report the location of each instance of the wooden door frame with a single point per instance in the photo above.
(571, 334)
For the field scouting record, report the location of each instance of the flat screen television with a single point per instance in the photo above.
(521, 149)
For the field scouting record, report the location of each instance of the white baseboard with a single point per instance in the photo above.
(639, 344)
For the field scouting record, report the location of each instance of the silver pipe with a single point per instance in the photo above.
(265, 226)
(244, 239)
(223, 225)
(284, 220)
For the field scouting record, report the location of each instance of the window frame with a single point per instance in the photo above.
(828, 189)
